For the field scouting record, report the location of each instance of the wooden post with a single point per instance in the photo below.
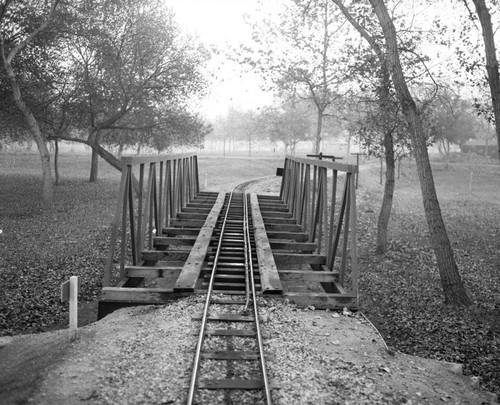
(358, 154)
(69, 292)
(381, 169)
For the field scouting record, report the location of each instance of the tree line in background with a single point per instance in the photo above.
(102, 73)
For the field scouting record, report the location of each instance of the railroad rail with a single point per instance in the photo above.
(231, 301)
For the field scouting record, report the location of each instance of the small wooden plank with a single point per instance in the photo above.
(198, 209)
(308, 275)
(297, 246)
(269, 277)
(268, 197)
(283, 227)
(297, 236)
(228, 318)
(229, 384)
(152, 271)
(291, 221)
(180, 231)
(230, 355)
(194, 263)
(222, 301)
(140, 295)
(231, 332)
(341, 167)
(208, 194)
(172, 241)
(265, 207)
(277, 214)
(187, 223)
(298, 258)
(157, 255)
(192, 216)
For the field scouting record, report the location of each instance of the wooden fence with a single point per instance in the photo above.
(310, 190)
(146, 206)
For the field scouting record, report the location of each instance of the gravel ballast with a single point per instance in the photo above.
(143, 355)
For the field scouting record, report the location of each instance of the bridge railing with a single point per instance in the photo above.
(311, 190)
(152, 191)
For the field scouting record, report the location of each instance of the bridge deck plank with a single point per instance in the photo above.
(269, 277)
(194, 263)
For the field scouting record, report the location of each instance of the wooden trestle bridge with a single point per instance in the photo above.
(162, 235)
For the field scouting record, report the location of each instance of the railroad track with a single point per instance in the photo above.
(229, 364)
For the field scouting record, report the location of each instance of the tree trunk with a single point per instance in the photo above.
(107, 156)
(385, 210)
(41, 142)
(56, 160)
(384, 102)
(453, 289)
(319, 126)
(491, 62)
(94, 166)
(447, 153)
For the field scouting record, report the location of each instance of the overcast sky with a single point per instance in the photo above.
(221, 22)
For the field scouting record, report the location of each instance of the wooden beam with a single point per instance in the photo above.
(269, 277)
(326, 164)
(152, 271)
(280, 221)
(269, 197)
(191, 216)
(136, 160)
(298, 258)
(273, 207)
(283, 227)
(187, 223)
(198, 209)
(294, 246)
(277, 214)
(180, 231)
(308, 275)
(157, 255)
(194, 263)
(140, 295)
(297, 236)
(171, 241)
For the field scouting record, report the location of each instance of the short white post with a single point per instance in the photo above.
(69, 292)
(73, 307)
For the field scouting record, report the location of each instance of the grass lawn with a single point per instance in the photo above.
(400, 291)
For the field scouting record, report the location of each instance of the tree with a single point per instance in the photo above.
(289, 124)
(453, 289)
(450, 120)
(382, 120)
(492, 69)
(133, 72)
(299, 54)
(20, 25)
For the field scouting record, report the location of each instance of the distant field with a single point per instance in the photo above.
(400, 291)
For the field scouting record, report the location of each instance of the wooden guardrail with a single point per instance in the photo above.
(145, 206)
(310, 190)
